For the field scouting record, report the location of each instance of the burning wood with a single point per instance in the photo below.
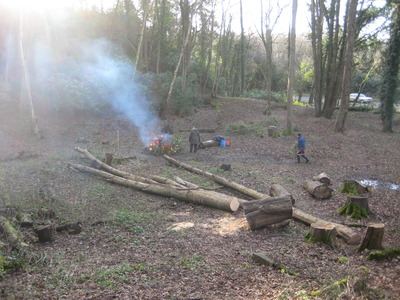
(163, 144)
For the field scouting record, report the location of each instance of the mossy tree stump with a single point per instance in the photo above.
(373, 237)
(356, 207)
(325, 233)
(44, 233)
(272, 131)
(109, 158)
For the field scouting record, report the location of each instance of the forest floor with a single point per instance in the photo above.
(136, 245)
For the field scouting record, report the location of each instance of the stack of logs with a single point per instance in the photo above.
(319, 186)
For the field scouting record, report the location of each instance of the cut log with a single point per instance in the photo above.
(373, 237)
(223, 181)
(268, 211)
(323, 178)
(208, 144)
(325, 233)
(344, 232)
(317, 189)
(208, 198)
(276, 190)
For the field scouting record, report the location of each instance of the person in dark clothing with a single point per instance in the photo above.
(194, 139)
(301, 148)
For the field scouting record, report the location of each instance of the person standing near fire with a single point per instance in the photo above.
(194, 139)
(301, 148)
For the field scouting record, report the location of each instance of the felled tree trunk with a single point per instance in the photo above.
(344, 232)
(317, 189)
(373, 237)
(201, 130)
(223, 181)
(323, 178)
(208, 198)
(325, 233)
(209, 144)
(260, 213)
(276, 190)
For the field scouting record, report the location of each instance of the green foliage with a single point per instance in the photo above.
(349, 189)
(193, 262)
(257, 94)
(332, 291)
(111, 276)
(271, 121)
(278, 97)
(386, 254)
(237, 128)
(354, 211)
(125, 218)
(342, 260)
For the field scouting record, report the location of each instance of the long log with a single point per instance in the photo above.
(12, 235)
(221, 180)
(208, 198)
(112, 170)
(268, 211)
(317, 189)
(208, 144)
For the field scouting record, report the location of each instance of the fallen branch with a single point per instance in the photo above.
(12, 235)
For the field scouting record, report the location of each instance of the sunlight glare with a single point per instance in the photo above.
(37, 5)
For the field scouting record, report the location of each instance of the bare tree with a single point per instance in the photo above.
(34, 120)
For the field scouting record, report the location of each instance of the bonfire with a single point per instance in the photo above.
(163, 144)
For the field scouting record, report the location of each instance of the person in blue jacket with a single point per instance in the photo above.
(301, 148)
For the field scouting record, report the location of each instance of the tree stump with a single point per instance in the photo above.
(272, 131)
(109, 158)
(268, 211)
(44, 233)
(323, 178)
(373, 237)
(356, 207)
(225, 167)
(325, 233)
(317, 189)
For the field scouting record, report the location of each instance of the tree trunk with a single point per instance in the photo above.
(348, 62)
(244, 190)
(317, 189)
(292, 65)
(325, 233)
(323, 178)
(208, 198)
(373, 237)
(268, 211)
